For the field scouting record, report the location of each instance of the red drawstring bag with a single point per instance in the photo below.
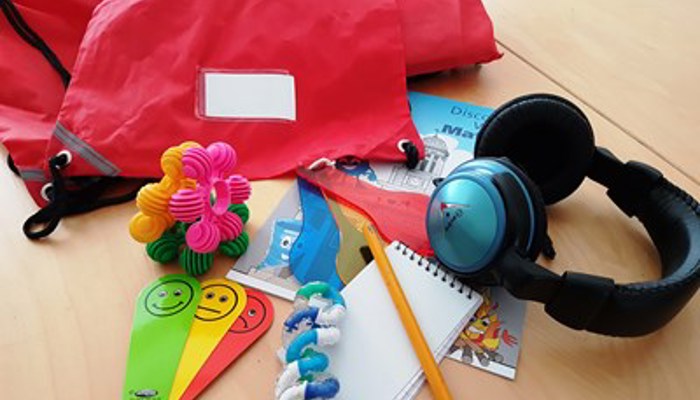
(329, 80)
(284, 83)
(444, 34)
(32, 91)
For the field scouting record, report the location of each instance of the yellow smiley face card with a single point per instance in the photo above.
(221, 303)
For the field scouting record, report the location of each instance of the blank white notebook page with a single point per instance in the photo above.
(374, 358)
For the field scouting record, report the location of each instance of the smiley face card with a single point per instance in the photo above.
(221, 303)
(250, 326)
(163, 317)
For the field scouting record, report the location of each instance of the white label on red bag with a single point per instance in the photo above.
(249, 96)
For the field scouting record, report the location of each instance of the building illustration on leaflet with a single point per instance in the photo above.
(421, 178)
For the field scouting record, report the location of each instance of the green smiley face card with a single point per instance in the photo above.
(162, 320)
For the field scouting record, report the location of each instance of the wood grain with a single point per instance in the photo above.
(69, 300)
(636, 61)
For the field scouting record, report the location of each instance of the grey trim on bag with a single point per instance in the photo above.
(74, 143)
(32, 175)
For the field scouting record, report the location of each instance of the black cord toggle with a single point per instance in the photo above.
(412, 154)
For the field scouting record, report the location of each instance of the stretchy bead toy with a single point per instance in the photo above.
(306, 317)
(321, 289)
(206, 205)
(152, 200)
(307, 329)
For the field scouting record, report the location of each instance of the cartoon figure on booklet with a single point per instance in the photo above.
(357, 168)
(483, 336)
(284, 233)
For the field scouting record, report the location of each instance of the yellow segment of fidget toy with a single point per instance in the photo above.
(171, 160)
(152, 200)
(153, 217)
(221, 303)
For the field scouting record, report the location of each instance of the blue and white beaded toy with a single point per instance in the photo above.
(308, 329)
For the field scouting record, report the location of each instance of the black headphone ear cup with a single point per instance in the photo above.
(528, 229)
(547, 136)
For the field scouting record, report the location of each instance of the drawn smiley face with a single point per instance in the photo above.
(217, 302)
(252, 316)
(169, 297)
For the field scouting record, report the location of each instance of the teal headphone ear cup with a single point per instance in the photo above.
(466, 219)
(483, 207)
(529, 207)
(546, 136)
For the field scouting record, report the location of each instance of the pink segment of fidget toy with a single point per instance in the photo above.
(206, 206)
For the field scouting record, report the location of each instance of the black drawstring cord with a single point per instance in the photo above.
(64, 202)
(12, 166)
(32, 38)
(412, 154)
(50, 215)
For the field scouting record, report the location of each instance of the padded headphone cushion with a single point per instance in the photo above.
(538, 205)
(546, 136)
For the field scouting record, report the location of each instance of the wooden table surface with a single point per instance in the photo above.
(68, 300)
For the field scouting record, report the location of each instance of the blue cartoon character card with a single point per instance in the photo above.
(285, 232)
(266, 265)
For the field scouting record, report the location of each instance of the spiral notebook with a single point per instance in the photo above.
(375, 359)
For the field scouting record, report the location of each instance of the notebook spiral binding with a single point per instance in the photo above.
(435, 268)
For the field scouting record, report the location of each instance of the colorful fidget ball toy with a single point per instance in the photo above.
(196, 209)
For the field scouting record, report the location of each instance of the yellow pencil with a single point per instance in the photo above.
(420, 346)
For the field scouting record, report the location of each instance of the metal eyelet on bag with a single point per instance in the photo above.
(320, 163)
(67, 157)
(411, 151)
(46, 192)
(401, 143)
(67, 154)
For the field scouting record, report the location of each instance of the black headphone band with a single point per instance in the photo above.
(597, 304)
